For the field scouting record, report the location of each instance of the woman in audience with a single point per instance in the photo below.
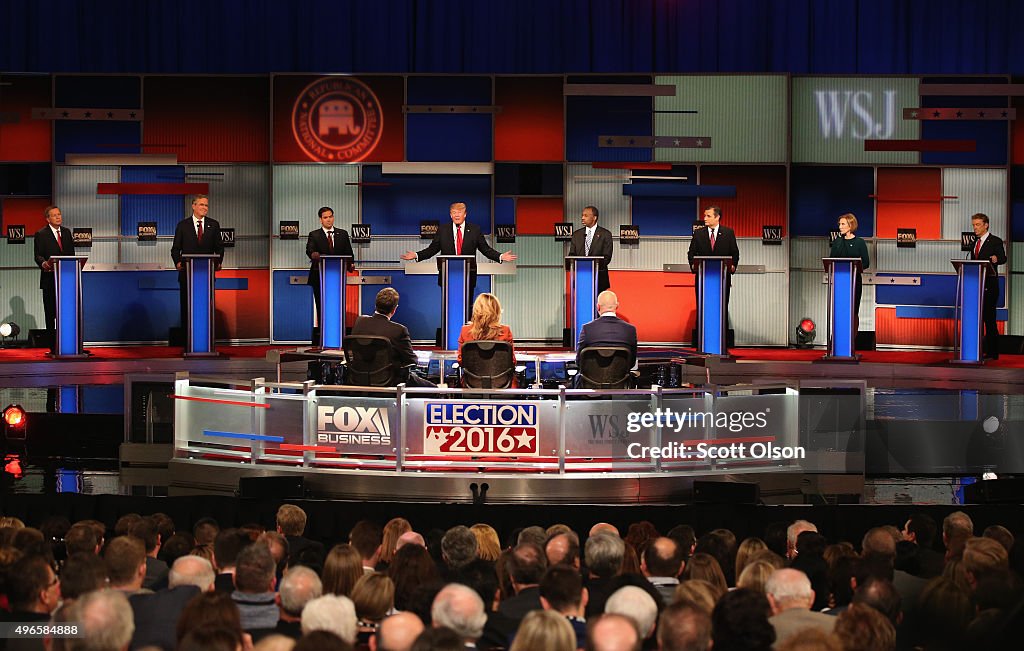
(746, 552)
(411, 568)
(488, 545)
(754, 576)
(485, 324)
(343, 567)
(393, 530)
(705, 567)
(374, 599)
(740, 622)
(700, 593)
(544, 629)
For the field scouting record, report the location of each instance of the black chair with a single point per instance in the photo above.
(487, 364)
(605, 367)
(368, 361)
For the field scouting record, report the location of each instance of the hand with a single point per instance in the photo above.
(217, 267)
(408, 255)
(732, 268)
(995, 260)
(508, 256)
(315, 256)
(178, 266)
(351, 267)
(47, 265)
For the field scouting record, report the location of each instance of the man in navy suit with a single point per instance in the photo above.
(326, 240)
(593, 240)
(608, 329)
(988, 247)
(461, 238)
(379, 324)
(51, 240)
(714, 239)
(195, 234)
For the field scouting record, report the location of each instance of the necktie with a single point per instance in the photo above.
(458, 240)
(977, 249)
(590, 240)
(713, 238)
(59, 245)
(199, 229)
(330, 241)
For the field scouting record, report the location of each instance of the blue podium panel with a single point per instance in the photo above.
(582, 299)
(842, 311)
(199, 274)
(332, 300)
(712, 275)
(454, 297)
(969, 298)
(68, 278)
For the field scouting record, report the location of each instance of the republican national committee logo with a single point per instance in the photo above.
(337, 119)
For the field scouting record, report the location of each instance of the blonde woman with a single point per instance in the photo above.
(485, 324)
(393, 530)
(488, 545)
(544, 629)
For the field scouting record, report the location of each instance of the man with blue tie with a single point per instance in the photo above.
(51, 240)
(593, 240)
(195, 234)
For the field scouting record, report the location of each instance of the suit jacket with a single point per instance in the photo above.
(305, 551)
(379, 325)
(993, 246)
(608, 331)
(505, 334)
(156, 616)
(725, 244)
(317, 243)
(45, 245)
(522, 603)
(792, 621)
(473, 240)
(601, 245)
(185, 241)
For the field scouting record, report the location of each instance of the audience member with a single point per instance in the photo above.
(740, 622)
(459, 608)
(342, 569)
(684, 627)
(333, 613)
(397, 632)
(367, 537)
(790, 596)
(611, 632)
(542, 629)
(526, 566)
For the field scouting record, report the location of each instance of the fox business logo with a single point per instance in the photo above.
(906, 238)
(147, 231)
(629, 234)
(352, 426)
(428, 229)
(337, 119)
(481, 429)
(82, 237)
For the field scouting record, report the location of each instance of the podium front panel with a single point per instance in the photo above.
(842, 291)
(332, 300)
(711, 315)
(970, 300)
(455, 299)
(67, 275)
(582, 299)
(199, 276)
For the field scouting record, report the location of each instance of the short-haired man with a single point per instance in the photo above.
(919, 530)
(461, 609)
(988, 247)
(593, 240)
(379, 324)
(326, 240)
(195, 234)
(298, 587)
(714, 239)
(603, 554)
(561, 590)
(637, 604)
(397, 632)
(126, 561)
(255, 580)
(790, 596)
(51, 240)
(608, 329)
(684, 627)
(526, 566)
(459, 547)
(105, 618)
(662, 564)
(613, 632)
(33, 590)
(291, 523)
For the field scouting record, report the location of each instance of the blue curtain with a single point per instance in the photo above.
(512, 36)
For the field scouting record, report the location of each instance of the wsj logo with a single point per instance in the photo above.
(227, 236)
(859, 114)
(361, 233)
(15, 234)
(563, 231)
(607, 429)
(771, 233)
(353, 426)
(967, 240)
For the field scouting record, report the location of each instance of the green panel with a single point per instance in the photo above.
(533, 302)
(833, 116)
(21, 299)
(744, 115)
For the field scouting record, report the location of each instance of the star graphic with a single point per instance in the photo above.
(110, 114)
(981, 114)
(66, 114)
(524, 440)
(676, 142)
(609, 141)
(132, 115)
(632, 142)
(1005, 114)
(936, 114)
(913, 114)
(88, 114)
(700, 142)
(959, 114)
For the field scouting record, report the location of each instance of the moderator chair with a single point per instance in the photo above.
(605, 367)
(368, 361)
(487, 364)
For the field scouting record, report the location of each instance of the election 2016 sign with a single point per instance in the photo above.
(482, 428)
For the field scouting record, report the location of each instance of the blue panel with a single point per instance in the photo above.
(103, 399)
(171, 282)
(818, 195)
(918, 312)
(118, 307)
(711, 316)
(231, 283)
(164, 209)
(200, 339)
(587, 117)
(68, 401)
(332, 327)
(398, 209)
(970, 316)
(504, 210)
(585, 304)
(990, 137)
(459, 137)
(98, 92)
(664, 216)
(68, 337)
(673, 189)
(68, 481)
(455, 308)
(842, 309)
(436, 90)
(80, 137)
(293, 307)
(934, 290)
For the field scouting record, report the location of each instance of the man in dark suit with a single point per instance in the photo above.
(326, 240)
(195, 234)
(51, 240)
(714, 239)
(379, 324)
(988, 247)
(593, 240)
(461, 238)
(608, 329)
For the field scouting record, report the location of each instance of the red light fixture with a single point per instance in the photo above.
(15, 419)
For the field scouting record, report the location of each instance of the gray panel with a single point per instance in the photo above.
(1016, 324)
(299, 191)
(773, 257)
(537, 250)
(384, 251)
(74, 190)
(21, 300)
(533, 302)
(1016, 261)
(159, 252)
(247, 254)
(239, 195)
(103, 251)
(807, 252)
(651, 254)
(808, 297)
(19, 255)
(925, 257)
(606, 195)
(976, 190)
(758, 309)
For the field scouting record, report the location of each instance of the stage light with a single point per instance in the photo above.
(9, 330)
(14, 421)
(805, 332)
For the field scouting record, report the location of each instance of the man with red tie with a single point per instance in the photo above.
(195, 234)
(988, 247)
(460, 239)
(51, 240)
(714, 239)
(326, 240)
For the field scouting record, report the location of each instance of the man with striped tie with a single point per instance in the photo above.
(714, 239)
(326, 240)
(51, 240)
(195, 234)
(593, 240)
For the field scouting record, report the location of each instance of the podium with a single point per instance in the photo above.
(842, 307)
(199, 281)
(970, 296)
(455, 306)
(67, 275)
(582, 295)
(712, 286)
(333, 274)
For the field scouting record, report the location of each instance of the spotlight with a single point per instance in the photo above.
(8, 330)
(15, 420)
(805, 332)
